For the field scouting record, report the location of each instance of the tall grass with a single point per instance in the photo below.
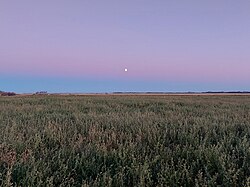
(125, 141)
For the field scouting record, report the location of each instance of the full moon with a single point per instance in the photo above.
(125, 69)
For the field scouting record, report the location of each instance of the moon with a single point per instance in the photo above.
(125, 69)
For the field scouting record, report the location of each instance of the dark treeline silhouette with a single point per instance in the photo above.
(2, 93)
(41, 93)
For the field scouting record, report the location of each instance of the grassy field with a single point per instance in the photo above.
(125, 140)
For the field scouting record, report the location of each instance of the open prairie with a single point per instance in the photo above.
(125, 140)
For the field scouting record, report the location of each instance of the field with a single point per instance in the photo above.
(125, 140)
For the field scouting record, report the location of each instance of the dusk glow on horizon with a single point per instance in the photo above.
(105, 46)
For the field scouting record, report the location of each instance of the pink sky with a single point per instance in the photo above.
(182, 41)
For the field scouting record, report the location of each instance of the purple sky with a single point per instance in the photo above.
(178, 45)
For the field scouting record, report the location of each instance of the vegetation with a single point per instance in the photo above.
(7, 93)
(125, 140)
(42, 93)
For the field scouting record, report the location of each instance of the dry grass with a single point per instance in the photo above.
(125, 140)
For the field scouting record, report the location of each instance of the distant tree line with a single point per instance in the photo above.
(41, 93)
(2, 93)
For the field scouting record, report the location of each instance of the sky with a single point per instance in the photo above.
(85, 45)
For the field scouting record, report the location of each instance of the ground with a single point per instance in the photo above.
(125, 140)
